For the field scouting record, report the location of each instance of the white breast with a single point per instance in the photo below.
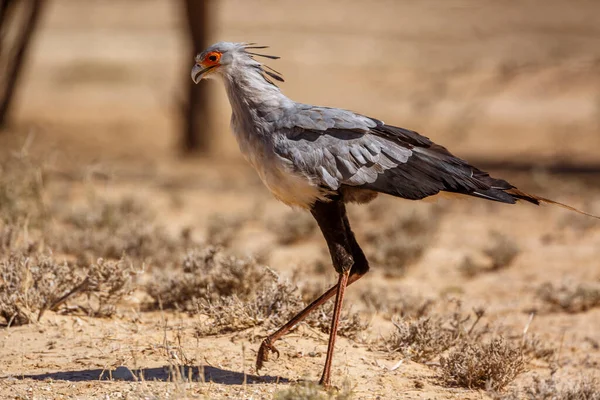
(277, 174)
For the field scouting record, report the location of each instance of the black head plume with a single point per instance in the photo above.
(265, 69)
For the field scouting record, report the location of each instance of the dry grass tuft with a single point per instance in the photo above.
(471, 267)
(420, 340)
(111, 230)
(272, 305)
(206, 275)
(402, 242)
(106, 283)
(229, 293)
(313, 391)
(499, 255)
(31, 212)
(401, 303)
(32, 284)
(468, 355)
(502, 252)
(350, 325)
(550, 389)
(221, 229)
(426, 338)
(32, 220)
(21, 192)
(29, 285)
(534, 348)
(569, 298)
(232, 294)
(16, 238)
(293, 227)
(489, 366)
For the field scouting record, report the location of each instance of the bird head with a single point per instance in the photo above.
(224, 58)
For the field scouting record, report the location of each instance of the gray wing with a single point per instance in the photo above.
(336, 147)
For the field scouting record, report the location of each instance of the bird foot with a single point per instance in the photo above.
(263, 353)
(325, 382)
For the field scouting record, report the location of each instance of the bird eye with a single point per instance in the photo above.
(212, 58)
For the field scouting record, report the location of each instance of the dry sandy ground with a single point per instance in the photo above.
(81, 357)
(493, 81)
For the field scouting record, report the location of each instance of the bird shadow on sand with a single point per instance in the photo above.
(167, 373)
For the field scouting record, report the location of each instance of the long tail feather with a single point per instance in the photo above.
(537, 200)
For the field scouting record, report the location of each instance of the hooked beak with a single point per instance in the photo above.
(198, 72)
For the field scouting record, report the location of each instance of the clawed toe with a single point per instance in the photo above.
(263, 353)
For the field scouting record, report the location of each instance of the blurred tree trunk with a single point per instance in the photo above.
(12, 55)
(195, 124)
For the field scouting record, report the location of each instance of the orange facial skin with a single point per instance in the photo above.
(211, 59)
(205, 65)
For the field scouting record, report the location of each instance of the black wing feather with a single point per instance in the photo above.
(432, 168)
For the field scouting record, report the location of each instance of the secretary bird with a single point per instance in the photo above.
(320, 158)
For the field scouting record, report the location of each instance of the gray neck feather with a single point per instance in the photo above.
(255, 102)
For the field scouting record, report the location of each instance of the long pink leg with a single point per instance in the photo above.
(267, 344)
(350, 263)
(337, 310)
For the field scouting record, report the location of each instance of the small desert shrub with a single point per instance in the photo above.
(569, 298)
(550, 389)
(106, 283)
(350, 325)
(8, 237)
(221, 229)
(95, 228)
(499, 255)
(16, 238)
(274, 303)
(469, 354)
(403, 306)
(398, 244)
(32, 284)
(312, 391)
(207, 275)
(426, 338)
(293, 227)
(111, 230)
(476, 365)
(310, 290)
(585, 389)
(99, 213)
(534, 348)
(502, 252)
(21, 192)
(421, 339)
(471, 267)
(234, 294)
(231, 293)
